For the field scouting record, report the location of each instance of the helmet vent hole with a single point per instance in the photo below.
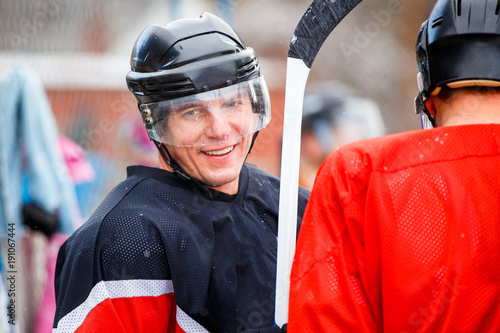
(497, 10)
(248, 69)
(173, 87)
(459, 7)
(438, 21)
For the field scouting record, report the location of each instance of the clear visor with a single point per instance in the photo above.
(210, 118)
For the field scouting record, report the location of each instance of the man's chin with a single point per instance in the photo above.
(221, 183)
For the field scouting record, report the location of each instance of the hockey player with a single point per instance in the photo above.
(190, 247)
(333, 115)
(401, 232)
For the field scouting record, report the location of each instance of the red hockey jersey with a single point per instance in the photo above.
(401, 234)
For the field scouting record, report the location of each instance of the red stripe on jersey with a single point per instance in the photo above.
(133, 314)
(130, 306)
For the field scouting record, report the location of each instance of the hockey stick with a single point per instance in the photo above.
(318, 21)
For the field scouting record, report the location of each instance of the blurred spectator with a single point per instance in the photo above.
(38, 205)
(334, 115)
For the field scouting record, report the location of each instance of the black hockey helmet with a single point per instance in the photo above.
(458, 46)
(188, 60)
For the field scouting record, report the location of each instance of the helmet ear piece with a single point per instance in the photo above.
(421, 48)
(423, 78)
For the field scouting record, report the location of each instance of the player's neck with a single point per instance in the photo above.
(468, 109)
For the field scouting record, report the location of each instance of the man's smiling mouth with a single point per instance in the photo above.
(219, 152)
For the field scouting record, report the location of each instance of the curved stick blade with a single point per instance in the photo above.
(319, 20)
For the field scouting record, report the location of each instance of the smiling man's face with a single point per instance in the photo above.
(218, 132)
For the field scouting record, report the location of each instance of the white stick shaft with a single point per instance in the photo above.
(296, 79)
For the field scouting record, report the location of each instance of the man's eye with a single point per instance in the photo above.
(193, 113)
(233, 103)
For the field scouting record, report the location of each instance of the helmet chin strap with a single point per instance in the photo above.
(421, 109)
(251, 146)
(183, 175)
(179, 172)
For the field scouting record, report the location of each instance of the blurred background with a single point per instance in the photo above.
(80, 51)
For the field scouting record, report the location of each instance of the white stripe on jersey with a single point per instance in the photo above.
(123, 289)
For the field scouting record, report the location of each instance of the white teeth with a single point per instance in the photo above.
(219, 152)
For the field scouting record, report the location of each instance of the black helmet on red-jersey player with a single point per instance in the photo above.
(458, 46)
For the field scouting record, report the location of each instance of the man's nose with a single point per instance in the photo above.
(219, 126)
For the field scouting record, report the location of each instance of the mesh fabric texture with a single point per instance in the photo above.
(219, 255)
(401, 235)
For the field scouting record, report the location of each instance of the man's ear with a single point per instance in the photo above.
(429, 104)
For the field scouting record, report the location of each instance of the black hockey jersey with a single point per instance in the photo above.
(160, 256)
